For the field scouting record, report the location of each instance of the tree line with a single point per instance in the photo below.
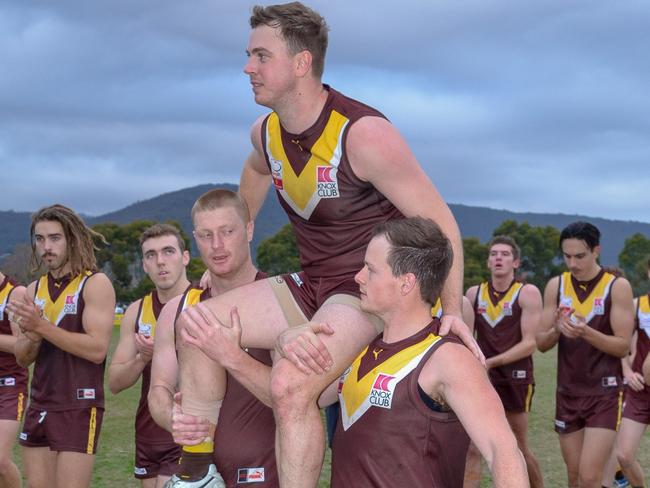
(541, 257)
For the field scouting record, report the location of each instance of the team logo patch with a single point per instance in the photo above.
(296, 279)
(599, 306)
(381, 394)
(23, 436)
(40, 303)
(140, 471)
(86, 394)
(507, 308)
(250, 475)
(644, 322)
(560, 424)
(70, 306)
(481, 310)
(609, 381)
(327, 185)
(342, 379)
(276, 173)
(566, 303)
(519, 374)
(8, 381)
(144, 329)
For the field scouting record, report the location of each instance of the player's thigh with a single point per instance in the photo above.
(596, 449)
(353, 330)
(149, 482)
(8, 432)
(519, 424)
(40, 466)
(74, 469)
(160, 481)
(571, 447)
(262, 317)
(628, 437)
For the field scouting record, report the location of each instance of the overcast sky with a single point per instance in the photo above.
(537, 106)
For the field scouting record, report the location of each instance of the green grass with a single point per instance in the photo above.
(114, 462)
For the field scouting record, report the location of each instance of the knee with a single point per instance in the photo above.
(590, 479)
(624, 457)
(289, 387)
(6, 466)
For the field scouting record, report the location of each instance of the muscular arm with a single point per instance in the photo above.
(530, 301)
(8, 341)
(127, 363)
(378, 154)
(255, 178)
(468, 314)
(467, 390)
(548, 334)
(470, 297)
(27, 346)
(164, 367)
(97, 320)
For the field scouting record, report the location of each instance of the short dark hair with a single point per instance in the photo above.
(509, 241)
(418, 246)
(583, 231)
(302, 28)
(79, 238)
(159, 230)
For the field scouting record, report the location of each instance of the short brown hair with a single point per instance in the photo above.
(418, 246)
(218, 198)
(302, 28)
(79, 238)
(507, 240)
(160, 230)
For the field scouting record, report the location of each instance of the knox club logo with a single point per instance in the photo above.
(327, 185)
(381, 394)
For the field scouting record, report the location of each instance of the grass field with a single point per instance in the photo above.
(114, 463)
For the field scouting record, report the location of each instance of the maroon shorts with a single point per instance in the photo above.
(516, 398)
(576, 413)
(310, 294)
(12, 402)
(65, 430)
(637, 405)
(153, 459)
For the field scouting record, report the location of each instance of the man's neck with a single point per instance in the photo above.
(165, 295)
(301, 109)
(589, 275)
(405, 321)
(502, 283)
(60, 272)
(220, 284)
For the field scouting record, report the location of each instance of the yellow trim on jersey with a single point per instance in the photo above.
(146, 318)
(21, 406)
(619, 415)
(4, 297)
(356, 394)
(436, 310)
(529, 398)
(92, 428)
(65, 304)
(300, 191)
(643, 314)
(594, 304)
(192, 297)
(493, 314)
(206, 446)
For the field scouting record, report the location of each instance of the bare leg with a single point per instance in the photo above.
(299, 430)
(472, 468)
(596, 449)
(519, 424)
(571, 445)
(628, 440)
(40, 466)
(149, 483)
(609, 470)
(9, 474)
(74, 469)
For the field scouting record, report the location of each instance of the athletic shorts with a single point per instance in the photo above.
(301, 296)
(575, 413)
(66, 430)
(516, 398)
(637, 405)
(152, 460)
(12, 402)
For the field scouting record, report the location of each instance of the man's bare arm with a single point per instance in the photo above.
(27, 344)
(127, 363)
(530, 301)
(256, 177)
(548, 333)
(467, 390)
(8, 341)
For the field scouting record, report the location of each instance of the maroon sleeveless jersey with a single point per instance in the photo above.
(146, 429)
(643, 335)
(584, 370)
(244, 442)
(498, 328)
(331, 210)
(390, 434)
(11, 374)
(63, 381)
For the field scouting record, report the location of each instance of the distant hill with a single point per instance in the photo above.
(473, 221)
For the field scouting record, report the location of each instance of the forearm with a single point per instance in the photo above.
(452, 291)
(254, 376)
(78, 344)
(547, 339)
(509, 468)
(515, 353)
(161, 401)
(7, 343)
(26, 351)
(253, 187)
(124, 375)
(609, 344)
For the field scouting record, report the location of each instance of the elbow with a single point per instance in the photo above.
(623, 351)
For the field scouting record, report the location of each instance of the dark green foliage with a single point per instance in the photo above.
(634, 262)
(279, 253)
